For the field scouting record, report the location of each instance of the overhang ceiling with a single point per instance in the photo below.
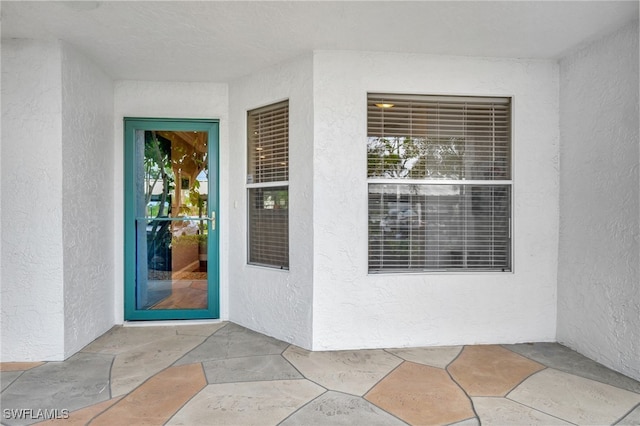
(218, 41)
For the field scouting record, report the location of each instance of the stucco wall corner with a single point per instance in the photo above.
(32, 263)
(87, 199)
(599, 268)
(273, 302)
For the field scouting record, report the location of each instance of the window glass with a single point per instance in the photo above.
(439, 183)
(269, 226)
(268, 185)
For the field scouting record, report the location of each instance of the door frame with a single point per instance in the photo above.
(212, 126)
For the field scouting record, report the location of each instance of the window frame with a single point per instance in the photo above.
(276, 185)
(507, 182)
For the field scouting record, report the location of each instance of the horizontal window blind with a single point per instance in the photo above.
(267, 185)
(435, 137)
(418, 228)
(268, 154)
(269, 226)
(439, 170)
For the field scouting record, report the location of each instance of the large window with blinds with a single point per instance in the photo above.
(439, 178)
(268, 185)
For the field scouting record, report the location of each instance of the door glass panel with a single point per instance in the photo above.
(172, 226)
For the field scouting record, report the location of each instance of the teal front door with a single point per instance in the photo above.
(171, 231)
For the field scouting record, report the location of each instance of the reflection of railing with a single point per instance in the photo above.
(157, 236)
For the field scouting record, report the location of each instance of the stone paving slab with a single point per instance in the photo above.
(80, 381)
(204, 330)
(340, 409)
(573, 398)
(233, 341)
(469, 422)
(353, 372)
(126, 339)
(132, 368)
(250, 369)
(421, 395)
(19, 366)
(502, 411)
(439, 357)
(8, 377)
(157, 399)
(490, 370)
(631, 419)
(561, 358)
(83, 416)
(250, 403)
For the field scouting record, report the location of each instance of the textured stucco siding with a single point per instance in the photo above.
(57, 191)
(355, 310)
(277, 303)
(576, 202)
(32, 259)
(87, 200)
(599, 260)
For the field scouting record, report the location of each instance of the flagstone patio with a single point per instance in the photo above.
(225, 374)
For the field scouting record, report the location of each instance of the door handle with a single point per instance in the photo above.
(213, 220)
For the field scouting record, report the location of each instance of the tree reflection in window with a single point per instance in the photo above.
(415, 158)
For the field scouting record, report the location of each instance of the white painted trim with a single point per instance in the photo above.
(438, 182)
(268, 184)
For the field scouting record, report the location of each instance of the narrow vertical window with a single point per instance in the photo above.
(268, 185)
(439, 174)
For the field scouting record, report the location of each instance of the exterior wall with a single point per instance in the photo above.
(277, 303)
(355, 310)
(599, 262)
(57, 279)
(87, 200)
(169, 100)
(31, 223)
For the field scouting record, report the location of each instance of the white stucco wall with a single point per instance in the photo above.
(31, 155)
(275, 302)
(169, 100)
(355, 310)
(599, 261)
(87, 200)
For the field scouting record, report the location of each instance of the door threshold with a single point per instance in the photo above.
(170, 322)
